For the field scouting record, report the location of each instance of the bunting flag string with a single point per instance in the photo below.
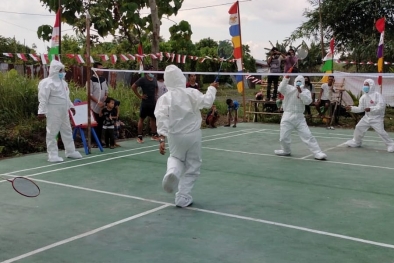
(170, 57)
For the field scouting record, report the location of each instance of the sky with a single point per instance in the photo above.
(261, 21)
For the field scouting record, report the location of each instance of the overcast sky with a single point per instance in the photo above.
(261, 21)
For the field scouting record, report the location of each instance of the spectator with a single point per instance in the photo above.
(212, 117)
(325, 94)
(274, 62)
(192, 82)
(232, 106)
(311, 88)
(291, 62)
(109, 115)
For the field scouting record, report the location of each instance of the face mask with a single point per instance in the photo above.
(366, 89)
(62, 75)
(150, 75)
(299, 83)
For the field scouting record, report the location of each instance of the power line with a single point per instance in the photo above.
(17, 25)
(30, 14)
(187, 9)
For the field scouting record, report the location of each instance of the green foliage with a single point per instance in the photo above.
(352, 23)
(10, 45)
(355, 98)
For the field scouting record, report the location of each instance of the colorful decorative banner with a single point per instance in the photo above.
(55, 40)
(380, 24)
(235, 32)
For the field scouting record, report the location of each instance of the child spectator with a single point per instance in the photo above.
(279, 102)
(109, 116)
(212, 117)
(192, 82)
(232, 105)
(117, 123)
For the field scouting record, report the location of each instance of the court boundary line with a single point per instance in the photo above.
(111, 153)
(267, 222)
(114, 158)
(295, 158)
(325, 150)
(88, 233)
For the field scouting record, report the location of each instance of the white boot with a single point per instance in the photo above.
(74, 155)
(182, 200)
(352, 143)
(170, 182)
(55, 159)
(320, 156)
(390, 148)
(281, 153)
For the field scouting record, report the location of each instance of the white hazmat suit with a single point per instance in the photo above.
(293, 118)
(374, 118)
(54, 103)
(178, 117)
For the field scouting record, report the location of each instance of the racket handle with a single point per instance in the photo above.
(217, 78)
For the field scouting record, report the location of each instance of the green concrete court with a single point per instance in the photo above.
(249, 205)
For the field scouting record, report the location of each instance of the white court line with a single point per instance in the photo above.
(324, 137)
(229, 215)
(117, 157)
(326, 150)
(94, 231)
(294, 158)
(112, 153)
(366, 136)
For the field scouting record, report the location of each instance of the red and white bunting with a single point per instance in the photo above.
(44, 59)
(172, 57)
(153, 56)
(114, 58)
(104, 57)
(34, 57)
(8, 55)
(79, 59)
(123, 57)
(178, 58)
(70, 56)
(131, 57)
(91, 60)
(21, 56)
(184, 59)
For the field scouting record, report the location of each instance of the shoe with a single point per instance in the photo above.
(281, 153)
(56, 159)
(330, 128)
(117, 145)
(183, 200)
(112, 147)
(390, 149)
(227, 125)
(155, 138)
(140, 140)
(320, 156)
(170, 182)
(234, 126)
(352, 143)
(74, 155)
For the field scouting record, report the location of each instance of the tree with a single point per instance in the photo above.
(352, 23)
(10, 45)
(109, 17)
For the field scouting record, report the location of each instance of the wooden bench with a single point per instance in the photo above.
(261, 107)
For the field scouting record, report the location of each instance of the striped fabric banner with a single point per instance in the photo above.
(235, 32)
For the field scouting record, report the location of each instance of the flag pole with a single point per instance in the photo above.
(60, 28)
(242, 64)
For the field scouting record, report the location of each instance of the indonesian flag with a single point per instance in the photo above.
(34, 57)
(123, 57)
(104, 57)
(79, 59)
(44, 59)
(114, 58)
(8, 55)
(21, 56)
(55, 40)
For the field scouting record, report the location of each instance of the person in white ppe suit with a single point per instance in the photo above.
(372, 103)
(54, 104)
(296, 97)
(178, 118)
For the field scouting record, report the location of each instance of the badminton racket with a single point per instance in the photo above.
(225, 51)
(300, 54)
(24, 186)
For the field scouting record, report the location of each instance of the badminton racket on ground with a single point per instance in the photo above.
(24, 186)
(225, 51)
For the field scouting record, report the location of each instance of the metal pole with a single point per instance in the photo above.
(321, 32)
(60, 28)
(88, 71)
